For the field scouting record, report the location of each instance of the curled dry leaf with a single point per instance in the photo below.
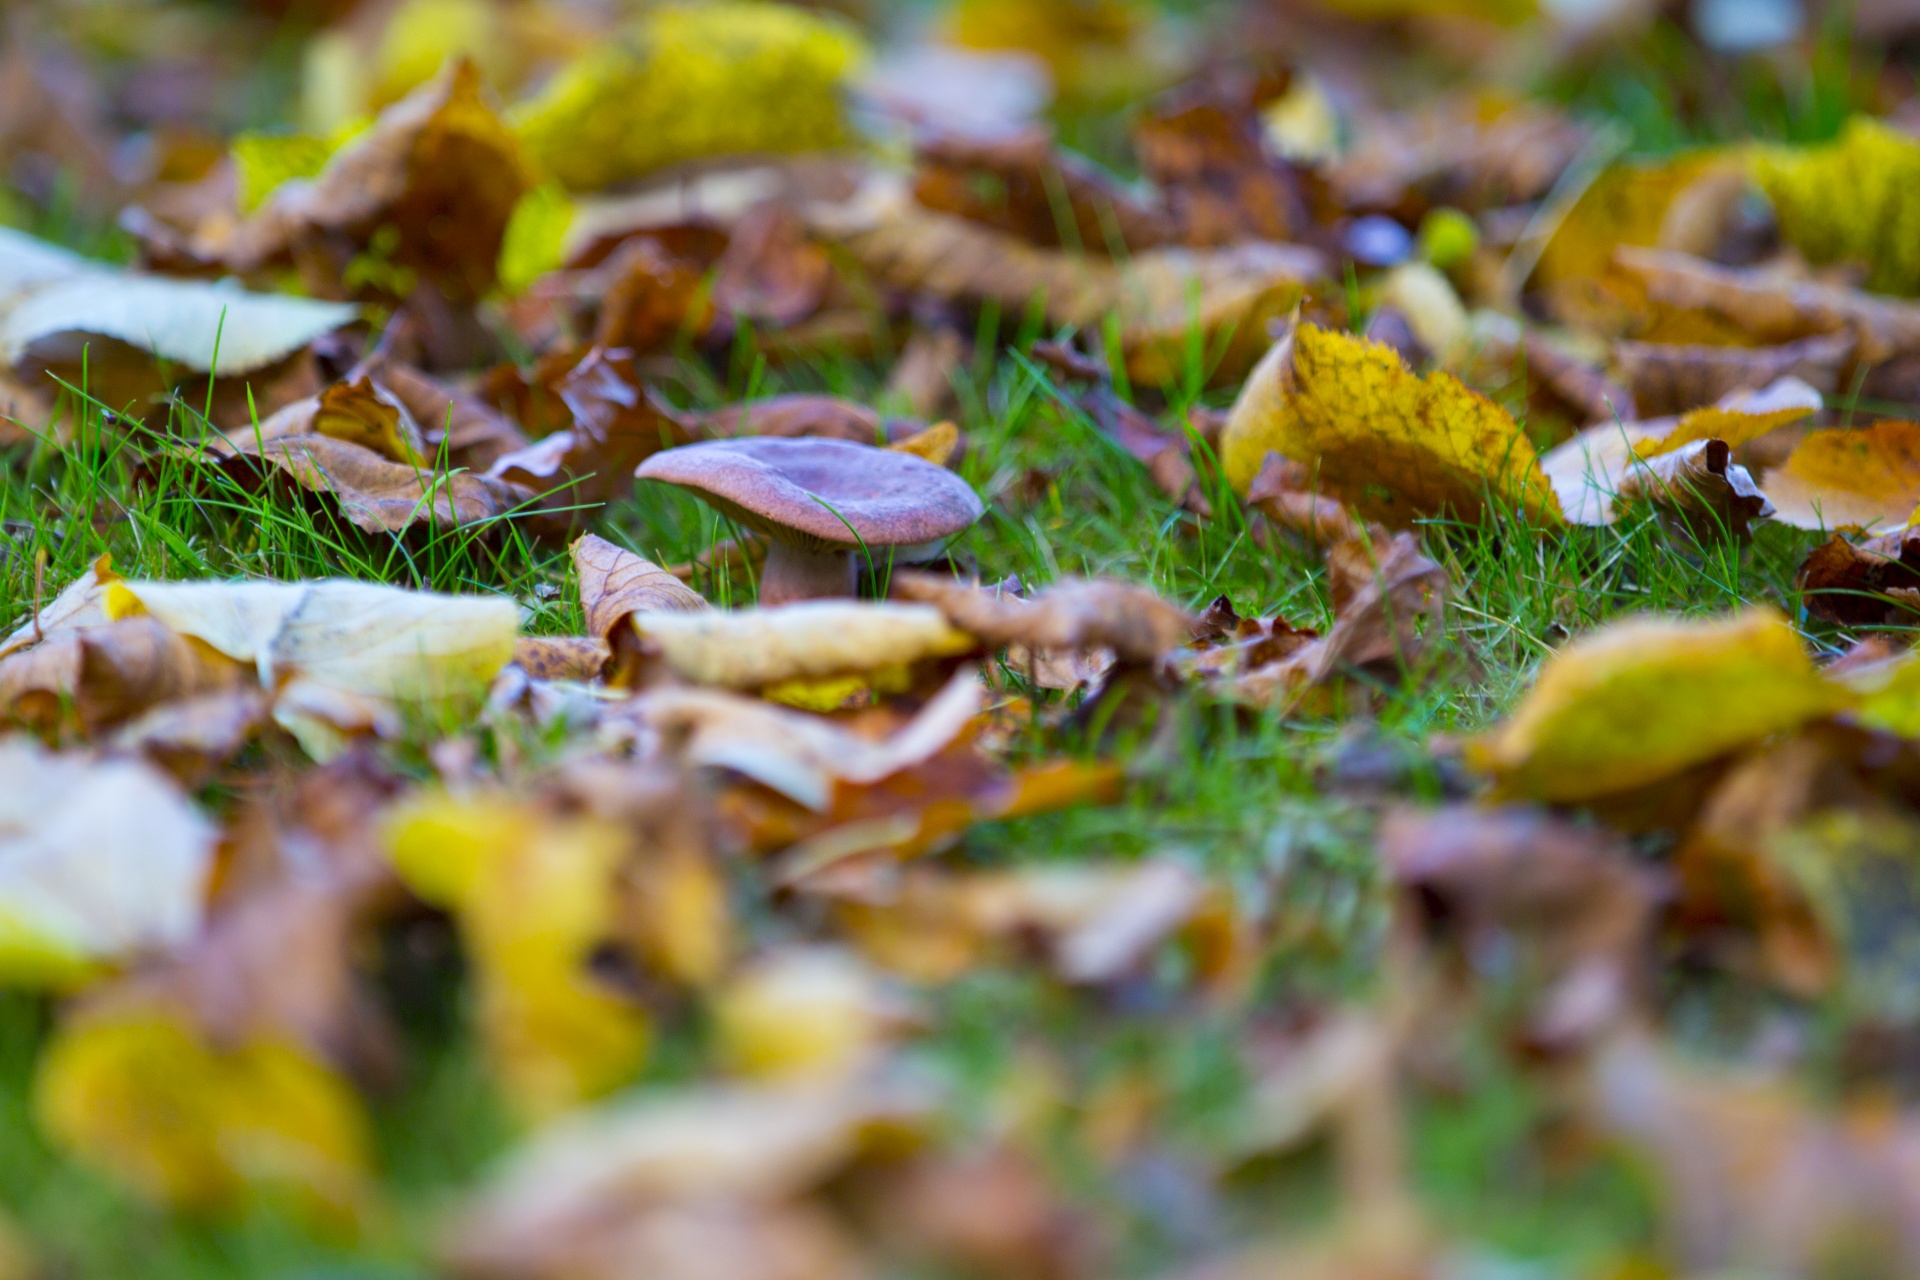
(1204, 148)
(1283, 492)
(1590, 470)
(1700, 487)
(1868, 477)
(1389, 604)
(1566, 898)
(561, 657)
(101, 861)
(439, 167)
(1159, 297)
(341, 657)
(1388, 443)
(755, 648)
(96, 677)
(615, 584)
(801, 756)
(474, 434)
(1136, 623)
(534, 894)
(616, 424)
(1641, 700)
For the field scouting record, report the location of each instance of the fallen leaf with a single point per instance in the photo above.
(1769, 310)
(800, 1013)
(1136, 623)
(1700, 487)
(1389, 444)
(473, 434)
(726, 1150)
(534, 894)
(616, 583)
(210, 1129)
(1203, 147)
(1455, 153)
(799, 755)
(1283, 492)
(1159, 297)
(1864, 585)
(1565, 904)
(95, 677)
(78, 605)
(1022, 185)
(1674, 378)
(811, 639)
(1644, 699)
(691, 82)
(1867, 476)
(52, 301)
(101, 861)
(438, 168)
(341, 657)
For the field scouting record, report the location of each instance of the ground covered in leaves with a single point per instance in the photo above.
(1049, 639)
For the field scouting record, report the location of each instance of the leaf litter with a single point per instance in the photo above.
(1067, 639)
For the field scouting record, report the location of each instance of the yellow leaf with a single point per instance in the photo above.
(750, 648)
(1387, 442)
(691, 82)
(206, 1129)
(801, 1012)
(265, 160)
(1868, 477)
(423, 36)
(1856, 199)
(1643, 699)
(1737, 418)
(536, 238)
(534, 897)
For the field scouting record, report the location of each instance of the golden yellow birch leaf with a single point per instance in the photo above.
(752, 648)
(534, 897)
(1855, 199)
(693, 81)
(1868, 476)
(1643, 699)
(1388, 443)
(100, 860)
(135, 1094)
(342, 657)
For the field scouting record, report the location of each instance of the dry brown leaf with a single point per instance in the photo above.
(473, 434)
(1283, 492)
(789, 416)
(1204, 148)
(77, 605)
(1770, 310)
(1668, 379)
(1868, 476)
(1159, 297)
(1753, 1176)
(615, 583)
(1137, 624)
(439, 166)
(1389, 604)
(390, 497)
(91, 678)
(1564, 902)
(616, 424)
(561, 657)
(1452, 154)
(1701, 487)
(1865, 585)
(1022, 185)
(771, 273)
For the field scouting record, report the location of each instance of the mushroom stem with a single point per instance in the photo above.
(799, 573)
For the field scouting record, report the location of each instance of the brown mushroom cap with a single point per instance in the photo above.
(822, 492)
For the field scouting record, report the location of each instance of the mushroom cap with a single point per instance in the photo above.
(818, 492)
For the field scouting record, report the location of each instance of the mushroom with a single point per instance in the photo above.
(818, 501)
